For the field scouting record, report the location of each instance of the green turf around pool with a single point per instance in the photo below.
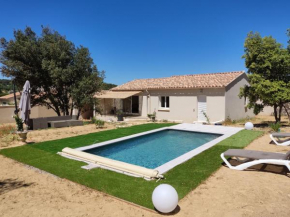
(183, 178)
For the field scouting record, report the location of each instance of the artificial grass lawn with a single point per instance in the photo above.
(183, 178)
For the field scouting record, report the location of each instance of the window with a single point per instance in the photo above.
(164, 102)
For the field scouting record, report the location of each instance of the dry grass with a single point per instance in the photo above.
(261, 122)
(6, 129)
(7, 137)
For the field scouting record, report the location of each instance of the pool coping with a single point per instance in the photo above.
(213, 129)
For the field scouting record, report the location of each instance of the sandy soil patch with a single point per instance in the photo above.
(263, 192)
(261, 122)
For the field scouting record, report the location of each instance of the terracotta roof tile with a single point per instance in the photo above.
(211, 80)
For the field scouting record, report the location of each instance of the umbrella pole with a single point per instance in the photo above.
(15, 101)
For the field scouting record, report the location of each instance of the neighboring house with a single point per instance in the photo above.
(9, 99)
(7, 108)
(181, 98)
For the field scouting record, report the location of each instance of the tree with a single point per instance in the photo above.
(268, 66)
(5, 87)
(108, 86)
(52, 64)
(83, 92)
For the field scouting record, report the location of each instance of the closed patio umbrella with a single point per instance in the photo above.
(24, 104)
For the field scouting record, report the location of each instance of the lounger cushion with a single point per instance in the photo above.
(281, 135)
(287, 155)
(255, 154)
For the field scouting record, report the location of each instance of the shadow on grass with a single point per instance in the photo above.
(7, 185)
(269, 168)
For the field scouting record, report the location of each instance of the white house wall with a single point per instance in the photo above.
(183, 104)
(235, 107)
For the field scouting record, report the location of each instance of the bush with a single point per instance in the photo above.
(19, 123)
(275, 126)
(99, 123)
(206, 116)
(94, 120)
(152, 116)
(6, 129)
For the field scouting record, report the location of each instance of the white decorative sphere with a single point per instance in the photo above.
(249, 126)
(165, 198)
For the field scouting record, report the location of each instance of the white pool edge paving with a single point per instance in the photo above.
(119, 139)
(213, 129)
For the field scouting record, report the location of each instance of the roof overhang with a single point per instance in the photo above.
(116, 94)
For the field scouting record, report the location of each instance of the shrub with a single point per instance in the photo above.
(228, 121)
(94, 120)
(206, 116)
(152, 116)
(275, 126)
(6, 129)
(99, 123)
(19, 123)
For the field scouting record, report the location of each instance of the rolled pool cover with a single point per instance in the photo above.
(113, 164)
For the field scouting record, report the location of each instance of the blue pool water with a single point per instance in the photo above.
(154, 149)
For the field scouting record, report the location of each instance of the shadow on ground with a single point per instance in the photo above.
(174, 212)
(265, 124)
(7, 185)
(277, 169)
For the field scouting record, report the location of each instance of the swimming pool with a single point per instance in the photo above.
(155, 149)
(151, 154)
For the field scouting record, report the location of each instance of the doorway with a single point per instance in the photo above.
(201, 108)
(135, 104)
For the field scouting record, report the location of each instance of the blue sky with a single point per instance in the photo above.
(149, 39)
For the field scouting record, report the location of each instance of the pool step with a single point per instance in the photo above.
(90, 166)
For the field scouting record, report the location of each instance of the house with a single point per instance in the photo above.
(9, 99)
(7, 108)
(186, 98)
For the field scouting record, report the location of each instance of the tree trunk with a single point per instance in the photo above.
(275, 113)
(79, 113)
(287, 112)
(71, 109)
(280, 112)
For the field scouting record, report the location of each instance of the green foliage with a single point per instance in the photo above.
(288, 33)
(119, 112)
(99, 123)
(206, 116)
(152, 116)
(5, 87)
(275, 126)
(268, 66)
(108, 86)
(184, 177)
(59, 72)
(19, 123)
(94, 119)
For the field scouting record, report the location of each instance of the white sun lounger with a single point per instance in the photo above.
(252, 158)
(278, 136)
